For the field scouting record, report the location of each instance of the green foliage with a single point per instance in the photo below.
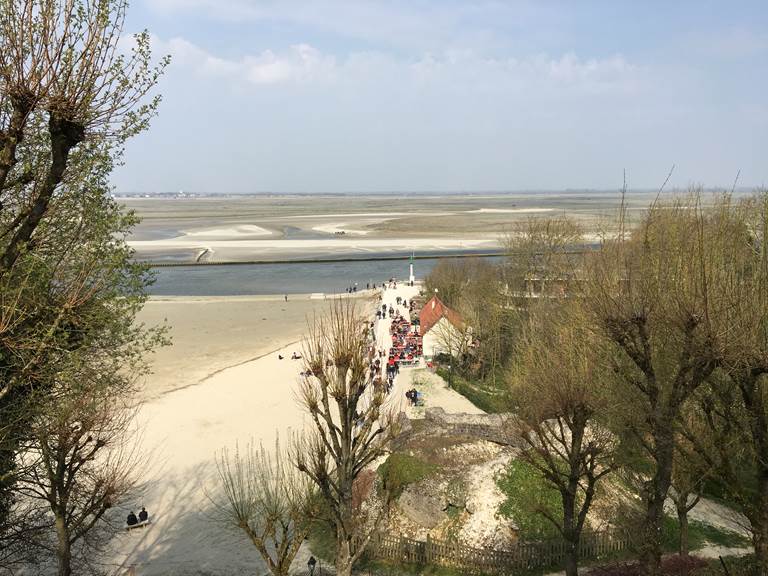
(400, 470)
(527, 497)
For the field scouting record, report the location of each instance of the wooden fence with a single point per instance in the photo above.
(520, 557)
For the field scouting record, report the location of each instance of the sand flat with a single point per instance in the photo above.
(245, 250)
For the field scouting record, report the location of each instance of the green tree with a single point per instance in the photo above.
(69, 99)
(731, 433)
(73, 383)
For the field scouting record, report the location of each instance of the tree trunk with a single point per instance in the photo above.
(656, 490)
(570, 531)
(572, 558)
(760, 435)
(64, 549)
(682, 518)
(343, 559)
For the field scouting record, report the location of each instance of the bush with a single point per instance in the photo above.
(400, 470)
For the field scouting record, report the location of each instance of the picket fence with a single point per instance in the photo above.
(522, 556)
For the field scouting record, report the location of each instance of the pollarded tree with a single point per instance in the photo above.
(351, 426)
(266, 497)
(655, 295)
(732, 427)
(63, 81)
(559, 384)
(69, 99)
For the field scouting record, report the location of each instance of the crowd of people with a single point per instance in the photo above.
(404, 345)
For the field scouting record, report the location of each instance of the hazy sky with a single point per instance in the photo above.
(449, 95)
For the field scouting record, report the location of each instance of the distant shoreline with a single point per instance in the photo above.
(411, 194)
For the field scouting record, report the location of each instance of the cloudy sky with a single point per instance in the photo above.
(452, 95)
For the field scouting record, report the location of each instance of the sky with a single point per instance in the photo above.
(446, 95)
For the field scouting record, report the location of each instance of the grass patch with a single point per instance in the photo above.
(699, 535)
(489, 400)
(400, 470)
(526, 495)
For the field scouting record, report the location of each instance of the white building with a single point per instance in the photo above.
(442, 329)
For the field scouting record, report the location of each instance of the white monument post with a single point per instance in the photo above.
(411, 277)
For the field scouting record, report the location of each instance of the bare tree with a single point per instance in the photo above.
(81, 457)
(543, 255)
(351, 426)
(267, 498)
(558, 383)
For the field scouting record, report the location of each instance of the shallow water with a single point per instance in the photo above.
(300, 278)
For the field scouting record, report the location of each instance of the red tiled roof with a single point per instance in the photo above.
(434, 310)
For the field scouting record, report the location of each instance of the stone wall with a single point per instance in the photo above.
(498, 428)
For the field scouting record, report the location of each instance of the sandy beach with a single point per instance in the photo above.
(211, 333)
(240, 392)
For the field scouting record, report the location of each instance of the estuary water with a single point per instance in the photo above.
(284, 278)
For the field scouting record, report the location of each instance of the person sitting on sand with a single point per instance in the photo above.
(279, 356)
(132, 520)
(295, 356)
(143, 515)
